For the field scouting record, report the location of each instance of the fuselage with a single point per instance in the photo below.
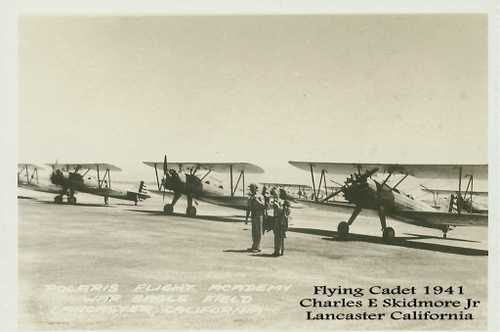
(76, 183)
(208, 190)
(375, 194)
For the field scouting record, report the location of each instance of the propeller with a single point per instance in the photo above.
(54, 165)
(356, 179)
(165, 170)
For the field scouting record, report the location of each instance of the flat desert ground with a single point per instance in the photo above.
(129, 267)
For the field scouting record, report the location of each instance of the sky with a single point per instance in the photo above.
(262, 89)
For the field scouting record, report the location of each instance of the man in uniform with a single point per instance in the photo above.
(255, 209)
(281, 207)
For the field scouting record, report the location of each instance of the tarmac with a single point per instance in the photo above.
(130, 267)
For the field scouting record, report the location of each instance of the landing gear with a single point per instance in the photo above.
(106, 200)
(343, 229)
(58, 199)
(445, 230)
(191, 211)
(168, 209)
(388, 234)
(72, 200)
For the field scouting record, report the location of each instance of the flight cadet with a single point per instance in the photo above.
(255, 209)
(281, 213)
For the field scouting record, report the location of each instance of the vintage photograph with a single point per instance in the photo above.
(253, 172)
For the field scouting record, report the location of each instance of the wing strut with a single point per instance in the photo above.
(459, 208)
(243, 188)
(240, 177)
(314, 185)
(206, 174)
(399, 182)
(322, 179)
(157, 179)
(88, 170)
(27, 174)
(231, 179)
(98, 177)
(109, 178)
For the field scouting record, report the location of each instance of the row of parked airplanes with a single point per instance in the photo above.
(372, 186)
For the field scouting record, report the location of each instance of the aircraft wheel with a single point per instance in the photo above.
(58, 199)
(343, 229)
(168, 209)
(72, 200)
(191, 211)
(106, 200)
(388, 234)
(445, 231)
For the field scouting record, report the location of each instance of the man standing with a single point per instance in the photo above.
(281, 213)
(255, 209)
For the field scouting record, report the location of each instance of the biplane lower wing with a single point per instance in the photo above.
(452, 191)
(287, 185)
(436, 218)
(344, 207)
(128, 195)
(235, 202)
(50, 189)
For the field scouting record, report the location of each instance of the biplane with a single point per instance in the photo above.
(71, 178)
(374, 187)
(194, 180)
(294, 190)
(468, 201)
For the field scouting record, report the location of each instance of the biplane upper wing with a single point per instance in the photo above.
(29, 166)
(208, 166)
(84, 166)
(426, 171)
(451, 191)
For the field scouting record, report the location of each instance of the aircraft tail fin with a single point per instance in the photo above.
(142, 188)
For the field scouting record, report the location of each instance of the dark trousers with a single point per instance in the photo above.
(279, 236)
(256, 231)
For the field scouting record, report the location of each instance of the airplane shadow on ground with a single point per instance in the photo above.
(24, 197)
(182, 215)
(125, 204)
(399, 241)
(265, 255)
(423, 237)
(245, 251)
(77, 204)
(237, 250)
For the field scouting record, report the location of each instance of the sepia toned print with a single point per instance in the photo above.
(253, 172)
